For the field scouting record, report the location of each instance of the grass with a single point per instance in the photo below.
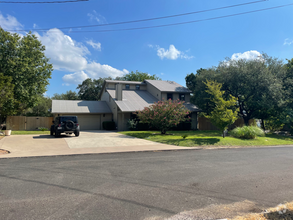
(29, 132)
(207, 138)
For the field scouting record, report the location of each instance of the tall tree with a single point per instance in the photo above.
(6, 94)
(69, 95)
(90, 89)
(138, 76)
(42, 109)
(257, 85)
(224, 112)
(23, 59)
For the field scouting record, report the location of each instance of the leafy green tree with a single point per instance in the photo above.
(23, 59)
(69, 95)
(138, 76)
(164, 115)
(42, 109)
(256, 84)
(223, 113)
(6, 94)
(90, 89)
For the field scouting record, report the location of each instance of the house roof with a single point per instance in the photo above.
(133, 100)
(125, 82)
(79, 106)
(168, 86)
(191, 107)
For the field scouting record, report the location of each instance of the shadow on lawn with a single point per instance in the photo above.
(191, 141)
(280, 137)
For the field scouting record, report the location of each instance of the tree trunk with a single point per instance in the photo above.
(263, 124)
(224, 134)
(246, 121)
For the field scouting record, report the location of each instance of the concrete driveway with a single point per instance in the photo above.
(89, 142)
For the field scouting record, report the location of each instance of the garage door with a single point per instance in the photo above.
(89, 122)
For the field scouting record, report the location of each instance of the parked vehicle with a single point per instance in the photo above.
(65, 124)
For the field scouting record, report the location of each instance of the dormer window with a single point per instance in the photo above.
(137, 87)
(182, 97)
(127, 86)
(169, 96)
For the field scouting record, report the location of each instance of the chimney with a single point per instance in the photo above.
(118, 94)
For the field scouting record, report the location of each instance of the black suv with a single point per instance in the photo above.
(65, 124)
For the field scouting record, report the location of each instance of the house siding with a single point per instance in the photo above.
(154, 91)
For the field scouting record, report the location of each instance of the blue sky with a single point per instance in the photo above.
(169, 52)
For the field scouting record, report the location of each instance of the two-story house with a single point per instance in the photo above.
(119, 99)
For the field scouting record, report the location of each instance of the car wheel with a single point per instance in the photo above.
(56, 134)
(76, 133)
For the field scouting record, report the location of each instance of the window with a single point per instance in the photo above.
(127, 86)
(169, 96)
(137, 87)
(182, 97)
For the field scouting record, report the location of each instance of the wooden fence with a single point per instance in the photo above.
(23, 123)
(205, 124)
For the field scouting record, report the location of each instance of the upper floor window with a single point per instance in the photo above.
(137, 87)
(127, 86)
(182, 97)
(169, 96)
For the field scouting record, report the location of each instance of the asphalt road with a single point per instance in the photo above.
(142, 185)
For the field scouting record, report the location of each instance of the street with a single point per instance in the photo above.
(144, 184)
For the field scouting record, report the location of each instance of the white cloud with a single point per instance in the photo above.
(68, 55)
(64, 53)
(248, 55)
(75, 78)
(96, 70)
(96, 46)
(288, 41)
(35, 26)
(172, 53)
(94, 16)
(9, 23)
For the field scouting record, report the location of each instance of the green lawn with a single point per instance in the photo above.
(29, 132)
(207, 138)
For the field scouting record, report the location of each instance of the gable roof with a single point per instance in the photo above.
(168, 86)
(133, 100)
(124, 82)
(79, 106)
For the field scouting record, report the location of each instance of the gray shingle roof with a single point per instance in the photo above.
(79, 106)
(133, 100)
(192, 107)
(168, 86)
(125, 82)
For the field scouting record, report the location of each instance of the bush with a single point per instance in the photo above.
(131, 124)
(43, 129)
(109, 125)
(247, 132)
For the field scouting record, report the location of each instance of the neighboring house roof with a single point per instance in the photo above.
(133, 100)
(125, 82)
(191, 107)
(79, 106)
(168, 86)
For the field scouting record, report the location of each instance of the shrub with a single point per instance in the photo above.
(184, 136)
(247, 132)
(131, 124)
(43, 129)
(164, 115)
(109, 125)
